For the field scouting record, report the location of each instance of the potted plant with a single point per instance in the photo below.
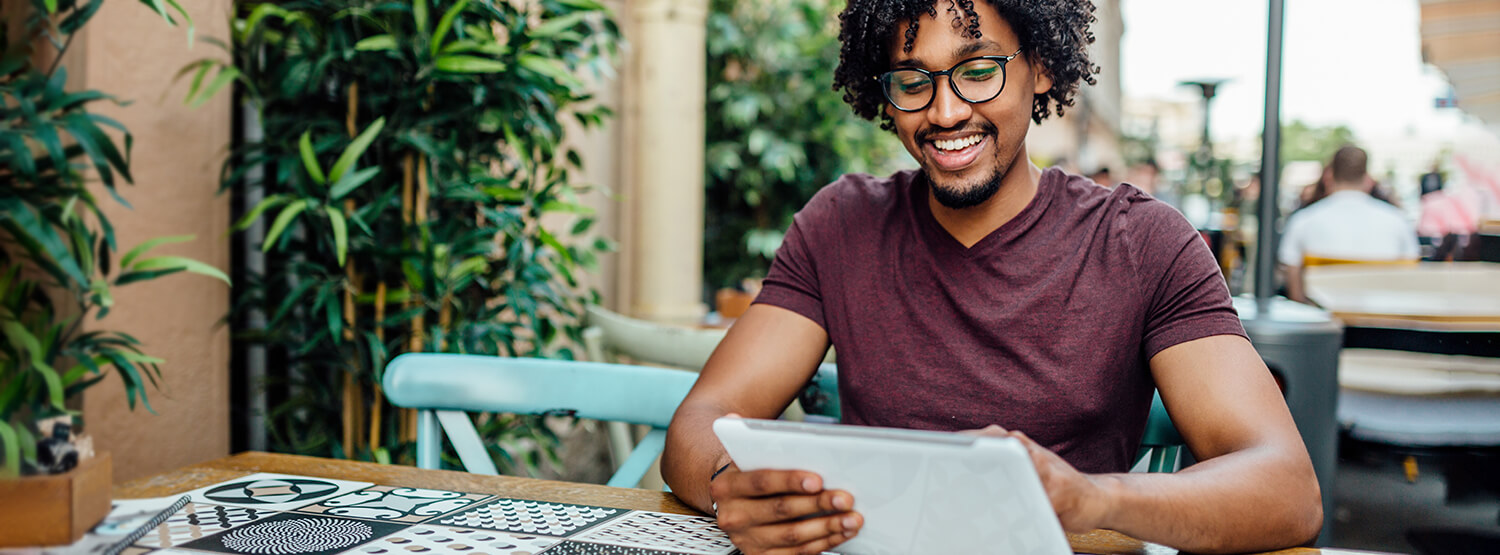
(59, 263)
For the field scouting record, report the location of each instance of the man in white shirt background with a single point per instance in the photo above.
(1348, 224)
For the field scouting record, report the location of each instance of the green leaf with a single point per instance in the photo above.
(419, 14)
(468, 64)
(377, 42)
(558, 24)
(352, 181)
(282, 220)
(556, 245)
(355, 149)
(43, 235)
(226, 75)
(254, 214)
(151, 244)
(548, 67)
(8, 439)
(566, 207)
(23, 341)
(591, 5)
(310, 158)
(127, 278)
(340, 231)
(444, 24)
(180, 262)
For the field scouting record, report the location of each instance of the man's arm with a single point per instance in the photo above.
(766, 358)
(1254, 488)
(1295, 287)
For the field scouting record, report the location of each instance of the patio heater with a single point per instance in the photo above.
(1300, 343)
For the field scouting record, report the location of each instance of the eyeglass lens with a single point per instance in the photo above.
(976, 81)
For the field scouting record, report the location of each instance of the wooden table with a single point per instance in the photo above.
(1448, 296)
(1101, 542)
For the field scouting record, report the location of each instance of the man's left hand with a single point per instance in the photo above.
(1081, 501)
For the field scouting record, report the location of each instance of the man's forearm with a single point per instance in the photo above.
(692, 454)
(1256, 499)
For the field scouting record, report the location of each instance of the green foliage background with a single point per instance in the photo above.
(410, 152)
(58, 254)
(777, 131)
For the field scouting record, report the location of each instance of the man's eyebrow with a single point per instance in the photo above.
(974, 48)
(968, 50)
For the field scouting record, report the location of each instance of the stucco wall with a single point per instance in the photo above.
(132, 53)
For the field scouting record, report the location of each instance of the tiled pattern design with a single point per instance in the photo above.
(532, 517)
(196, 520)
(443, 540)
(677, 533)
(395, 504)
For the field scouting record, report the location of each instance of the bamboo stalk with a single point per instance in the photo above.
(379, 397)
(406, 192)
(353, 393)
(353, 389)
(350, 120)
(417, 204)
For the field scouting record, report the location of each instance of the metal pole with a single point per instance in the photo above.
(1270, 166)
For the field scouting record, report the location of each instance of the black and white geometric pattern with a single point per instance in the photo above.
(395, 504)
(294, 534)
(196, 520)
(274, 492)
(570, 547)
(443, 540)
(676, 533)
(532, 517)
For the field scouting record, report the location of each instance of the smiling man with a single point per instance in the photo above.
(983, 293)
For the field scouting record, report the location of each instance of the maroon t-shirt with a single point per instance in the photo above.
(1044, 326)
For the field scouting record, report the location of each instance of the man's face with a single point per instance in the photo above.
(966, 149)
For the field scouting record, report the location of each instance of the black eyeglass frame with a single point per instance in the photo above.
(885, 88)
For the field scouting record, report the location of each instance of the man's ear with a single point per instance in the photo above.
(1042, 78)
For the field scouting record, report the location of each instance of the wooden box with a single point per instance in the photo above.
(54, 510)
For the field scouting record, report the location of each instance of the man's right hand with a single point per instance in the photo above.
(782, 511)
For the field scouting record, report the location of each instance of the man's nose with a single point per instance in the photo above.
(947, 109)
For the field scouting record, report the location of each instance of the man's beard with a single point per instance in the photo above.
(968, 198)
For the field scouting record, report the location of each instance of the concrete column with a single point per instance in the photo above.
(665, 98)
(130, 52)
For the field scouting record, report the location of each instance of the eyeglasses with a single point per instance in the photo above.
(975, 80)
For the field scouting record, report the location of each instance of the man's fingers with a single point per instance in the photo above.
(992, 430)
(746, 513)
(809, 536)
(763, 483)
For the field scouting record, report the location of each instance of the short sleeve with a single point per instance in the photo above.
(1290, 252)
(792, 282)
(1188, 297)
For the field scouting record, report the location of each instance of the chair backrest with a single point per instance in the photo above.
(649, 342)
(443, 387)
(1161, 442)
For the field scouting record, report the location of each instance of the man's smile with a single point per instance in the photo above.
(955, 152)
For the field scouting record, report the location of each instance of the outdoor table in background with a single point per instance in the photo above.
(1101, 542)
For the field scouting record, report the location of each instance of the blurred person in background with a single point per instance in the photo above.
(1347, 224)
(1143, 175)
(1448, 221)
(1102, 178)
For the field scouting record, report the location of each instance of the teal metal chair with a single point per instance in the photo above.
(444, 388)
(1161, 441)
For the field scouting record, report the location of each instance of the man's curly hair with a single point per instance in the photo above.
(1054, 32)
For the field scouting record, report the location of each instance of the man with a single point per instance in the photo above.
(983, 293)
(1348, 224)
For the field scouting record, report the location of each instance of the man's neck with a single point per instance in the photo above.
(1338, 187)
(969, 225)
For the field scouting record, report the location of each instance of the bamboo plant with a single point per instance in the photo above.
(58, 261)
(412, 154)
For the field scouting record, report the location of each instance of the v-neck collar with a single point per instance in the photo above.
(939, 237)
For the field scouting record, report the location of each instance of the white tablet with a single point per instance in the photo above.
(919, 491)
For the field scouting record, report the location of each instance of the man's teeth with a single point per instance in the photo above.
(958, 144)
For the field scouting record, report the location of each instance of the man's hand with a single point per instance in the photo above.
(782, 511)
(1080, 500)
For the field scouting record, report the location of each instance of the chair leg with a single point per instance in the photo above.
(429, 441)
